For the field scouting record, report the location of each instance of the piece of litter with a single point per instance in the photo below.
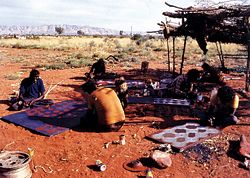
(106, 145)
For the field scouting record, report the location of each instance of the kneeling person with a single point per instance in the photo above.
(104, 106)
(223, 105)
(121, 88)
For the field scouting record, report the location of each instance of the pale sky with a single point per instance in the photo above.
(141, 15)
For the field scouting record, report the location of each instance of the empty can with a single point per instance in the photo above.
(122, 140)
(100, 165)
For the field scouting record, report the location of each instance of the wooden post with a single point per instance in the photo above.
(182, 19)
(168, 55)
(248, 59)
(222, 57)
(218, 51)
(144, 67)
(173, 56)
(183, 54)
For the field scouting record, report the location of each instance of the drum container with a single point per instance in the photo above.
(14, 164)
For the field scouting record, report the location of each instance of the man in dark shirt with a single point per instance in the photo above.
(181, 86)
(97, 70)
(211, 74)
(31, 89)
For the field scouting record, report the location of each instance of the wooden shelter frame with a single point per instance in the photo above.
(209, 24)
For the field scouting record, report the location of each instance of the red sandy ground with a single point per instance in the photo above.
(72, 153)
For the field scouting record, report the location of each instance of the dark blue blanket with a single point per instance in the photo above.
(50, 120)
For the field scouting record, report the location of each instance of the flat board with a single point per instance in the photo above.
(51, 120)
(170, 101)
(105, 82)
(140, 100)
(159, 101)
(131, 83)
(183, 136)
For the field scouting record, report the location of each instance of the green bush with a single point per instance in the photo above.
(13, 76)
(54, 66)
(17, 60)
(136, 37)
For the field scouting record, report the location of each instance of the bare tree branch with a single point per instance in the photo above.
(173, 6)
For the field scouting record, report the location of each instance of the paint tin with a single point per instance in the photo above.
(31, 152)
(149, 173)
(100, 165)
(122, 140)
(14, 164)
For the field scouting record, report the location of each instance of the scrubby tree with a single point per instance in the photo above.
(80, 32)
(136, 37)
(59, 30)
(121, 32)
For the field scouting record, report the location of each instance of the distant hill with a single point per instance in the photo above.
(50, 30)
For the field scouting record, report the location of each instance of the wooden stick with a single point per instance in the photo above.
(51, 88)
(218, 51)
(248, 58)
(183, 54)
(174, 56)
(222, 57)
(168, 55)
(170, 5)
(6, 146)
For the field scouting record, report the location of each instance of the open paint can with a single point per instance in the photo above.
(14, 164)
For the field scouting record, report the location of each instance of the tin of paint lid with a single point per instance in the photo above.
(149, 173)
(100, 165)
(122, 140)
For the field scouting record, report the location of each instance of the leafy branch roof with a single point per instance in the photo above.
(224, 24)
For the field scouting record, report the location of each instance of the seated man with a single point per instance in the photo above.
(223, 104)
(31, 91)
(97, 70)
(181, 86)
(105, 111)
(211, 74)
(150, 87)
(121, 89)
